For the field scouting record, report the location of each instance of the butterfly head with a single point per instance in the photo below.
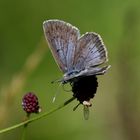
(69, 76)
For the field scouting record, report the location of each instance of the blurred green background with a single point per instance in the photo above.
(26, 64)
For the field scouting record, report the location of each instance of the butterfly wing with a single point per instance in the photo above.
(90, 51)
(62, 39)
(86, 72)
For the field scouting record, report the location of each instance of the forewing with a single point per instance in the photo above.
(90, 51)
(62, 39)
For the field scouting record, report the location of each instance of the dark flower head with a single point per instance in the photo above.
(30, 103)
(84, 89)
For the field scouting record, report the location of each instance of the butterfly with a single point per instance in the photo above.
(79, 57)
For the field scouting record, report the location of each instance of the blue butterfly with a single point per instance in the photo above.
(80, 58)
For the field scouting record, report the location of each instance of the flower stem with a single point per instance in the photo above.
(38, 117)
(25, 128)
(24, 132)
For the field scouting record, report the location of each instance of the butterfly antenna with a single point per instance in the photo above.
(58, 89)
(56, 81)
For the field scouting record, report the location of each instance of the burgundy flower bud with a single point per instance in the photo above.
(30, 103)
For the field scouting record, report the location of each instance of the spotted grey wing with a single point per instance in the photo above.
(62, 39)
(90, 51)
(87, 72)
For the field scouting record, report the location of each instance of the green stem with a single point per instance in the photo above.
(25, 128)
(24, 132)
(38, 117)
